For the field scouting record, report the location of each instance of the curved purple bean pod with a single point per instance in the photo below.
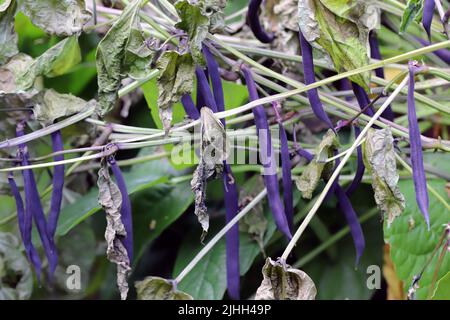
(232, 236)
(189, 107)
(362, 98)
(216, 81)
(58, 185)
(427, 16)
(375, 53)
(25, 223)
(308, 71)
(267, 157)
(33, 209)
(204, 91)
(359, 169)
(419, 178)
(125, 209)
(442, 54)
(255, 25)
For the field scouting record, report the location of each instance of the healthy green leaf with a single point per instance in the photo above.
(413, 12)
(310, 177)
(379, 158)
(156, 288)
(8, 37)
(282, 282)
(59, 17)
(412, 243)
(56, 61)
(442, 291)
(16, 280)
(176, 77)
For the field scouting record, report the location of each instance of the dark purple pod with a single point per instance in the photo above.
(255, 25)
(204, 91)
(442, 54)
(308, 71)
(232, 236)
(427, 16)
(58, 185)
(216, 81)
(360, 169)
(25, 223)
(420, 180)
(125, 209)
(189, 107)
(267, 157)
(362, 98)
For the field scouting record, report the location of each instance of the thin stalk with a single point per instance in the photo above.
(137, 83)
(336, 172)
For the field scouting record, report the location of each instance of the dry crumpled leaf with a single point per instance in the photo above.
(8, 37)
(310, 178)
(394, 284)
(156, 288)
(282, 282)
(213, 152)
(379, 158)
(110, 198)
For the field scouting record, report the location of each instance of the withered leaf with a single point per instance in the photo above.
(379, 158)
(213, 151)
(110, 199)
(313, 172)
(176, 78)
(156, 288)
(282, 282)
(8, 36)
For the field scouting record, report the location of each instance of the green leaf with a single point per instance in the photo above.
(315, 170)
(341, 30)
(51, 105)
(139, 178)
(16, 280)
(379, 158)
(8, 37)
(176, 77)
(58, 17)
(412, 243)
(56, 61)
(156, 288)
(442, 291)
(196, 23)
(121, 52)
(413, 11)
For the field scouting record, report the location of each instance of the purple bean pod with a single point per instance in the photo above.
(419, 178)
(359, 169)
(189, 107)
(125, 209)
(204, 91)
(255, 25)
(34, 210)
(267, 157)
(379, 72)
(216, 81)
(25, 223)
(362, 98)
(308, 71)
(442, 54)
(58, 185)
(427, 16)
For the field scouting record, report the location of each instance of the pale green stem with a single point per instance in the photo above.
(336, 172)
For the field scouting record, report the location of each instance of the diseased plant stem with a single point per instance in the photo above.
(219, 235)
(336, 172)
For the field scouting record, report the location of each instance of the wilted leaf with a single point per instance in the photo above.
(413, 11)
(394, 284)
(16, 280)
(59, 17)
(213, 152)
(51, 105)
(8, 36)
(176, 77)
(282, 282)
(310, 178)
(341, 28)
(156, 288)
(110, 198)
(122, 51)
(56, 61)
(379, 157)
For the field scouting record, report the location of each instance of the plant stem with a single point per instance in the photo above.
(219, 235)
(336, 172)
